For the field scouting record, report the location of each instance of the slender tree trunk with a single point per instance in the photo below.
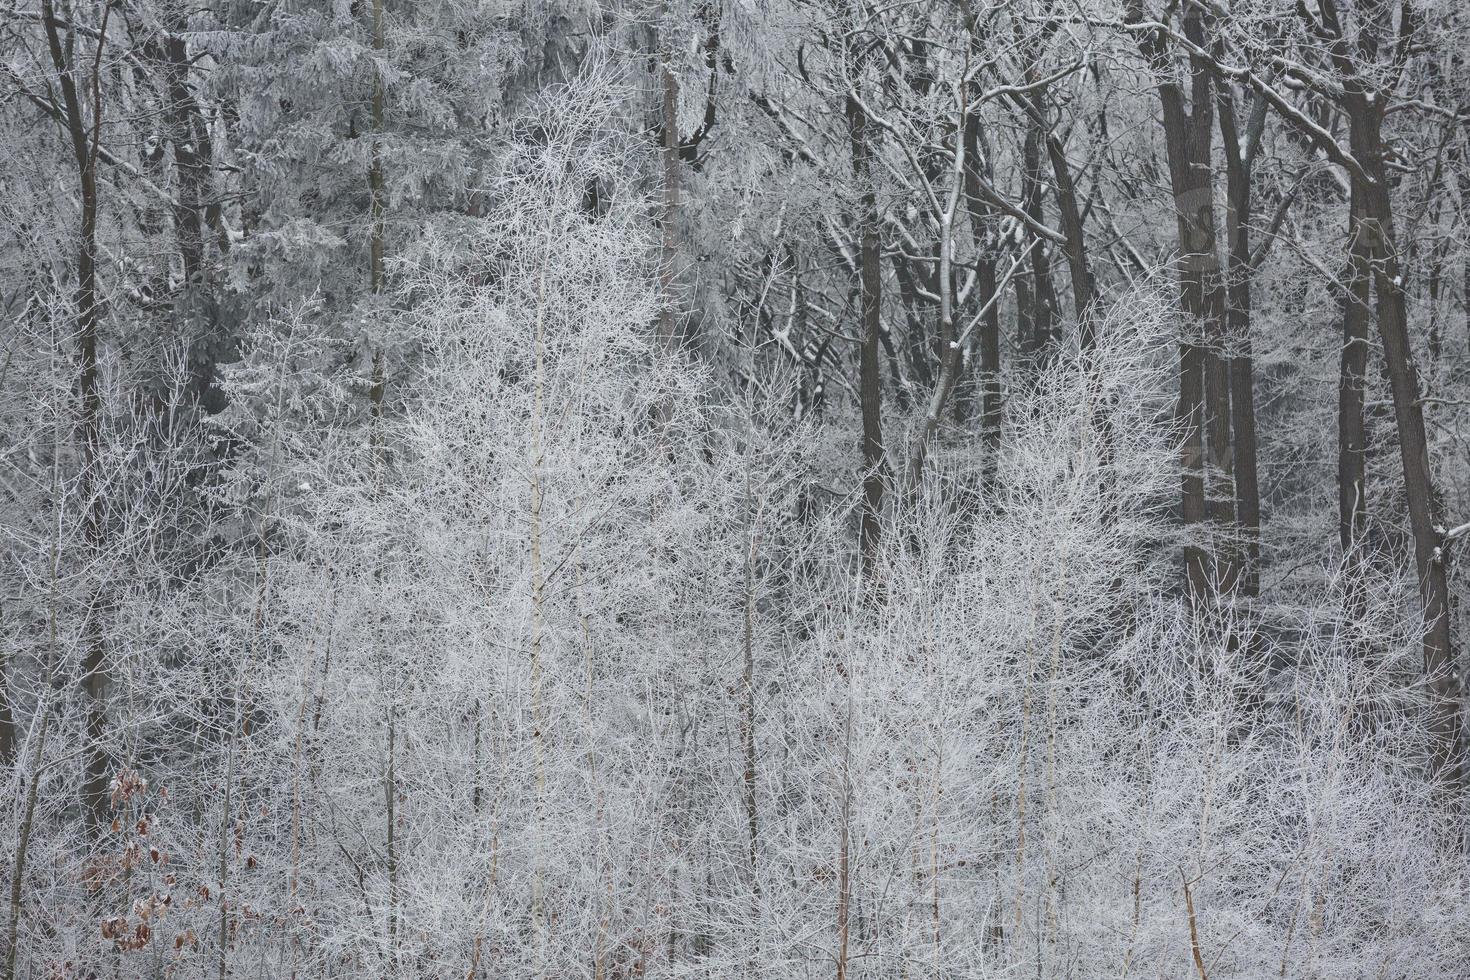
(1462, 179)
(222, 866)
(23, 843)
(538, 618)
(376, 203)
(844, 849)
(27, 825)
(988, 345)
(390, 801)
(870, 392)
(1240, 150)
(977, 159)
(377, 248)
(1220, 463)
(1352, 447)
(1084, 287)
(669, 222)
(1434, 281)
(188, 226)
(7, 713)
(949, 370)
(748, 782)
(1190, 413)
(1042, 294)
(85, 146)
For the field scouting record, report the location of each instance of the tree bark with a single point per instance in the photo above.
(1240, 149)
(95, 676)
(1462, 179)
(1084, 285)
(870, 393)
(1352, 445)
(23, 843)
(668, 329)
(749, 786)
(189, 136)
(987, 343)
(7, 714)
(376, 203)
(1442, 677)
(1039, 319)
(1204, 397)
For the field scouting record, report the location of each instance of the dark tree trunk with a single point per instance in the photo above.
(987, 338)
(1239, 159)
(1204, 396)
(668, 324)
(1463, 180)
(870, 392)
(1434, 280)
(1084, 287)
(95, 676)
(1393, 330)
(1040, 313)
(1352, 446)
(189, 137)
(7, 716)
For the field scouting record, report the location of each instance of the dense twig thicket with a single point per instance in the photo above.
(734, 490)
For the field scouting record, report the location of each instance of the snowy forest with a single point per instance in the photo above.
(766, 489)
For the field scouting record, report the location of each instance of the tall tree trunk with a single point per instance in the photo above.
(1069, 210)
(1204, 412)
(748, 781)
(1041, 299)
(1462, 179)
(987, 340)
(1084, 285)
(1240, 149)
(1220, 462)
(1434, 281)
(23, 842)
(538, 616)
(189, 136)
(85, 146)
(377, 249)
(844, 847)
(1352, 445)
(669, 222)
(7, 713)
(1443, 678)
(870, 393)
(376, 203)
